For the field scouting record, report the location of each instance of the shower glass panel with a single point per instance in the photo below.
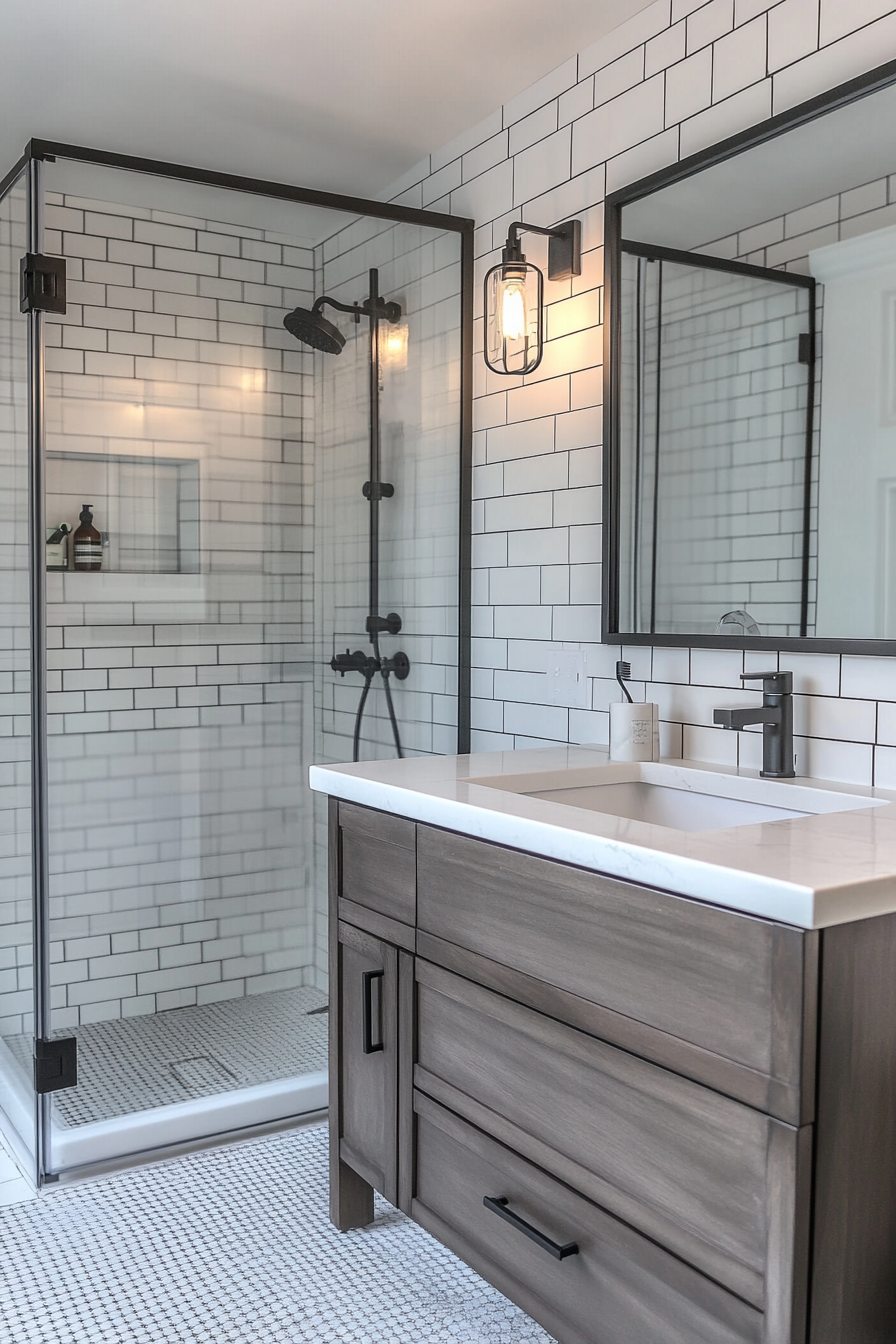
(418, 398)
(17, 1108)
(194, 676)
(715, 517)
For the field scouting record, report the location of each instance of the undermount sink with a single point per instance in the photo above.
(676, 796)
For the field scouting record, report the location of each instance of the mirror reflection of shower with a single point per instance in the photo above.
(309, 326)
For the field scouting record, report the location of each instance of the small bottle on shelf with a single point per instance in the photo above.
(57, 547)
(87, 544)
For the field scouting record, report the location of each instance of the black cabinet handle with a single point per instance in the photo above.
(499, 1206)
(367, 978)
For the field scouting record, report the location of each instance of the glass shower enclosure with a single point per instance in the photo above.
(231, 546)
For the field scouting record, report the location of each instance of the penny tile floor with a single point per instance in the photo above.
(233, 1246)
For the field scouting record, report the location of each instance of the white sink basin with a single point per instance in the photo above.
(678, 797)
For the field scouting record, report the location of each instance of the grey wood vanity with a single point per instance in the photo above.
(644, 1118)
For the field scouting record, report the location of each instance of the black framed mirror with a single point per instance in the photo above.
(750, 387)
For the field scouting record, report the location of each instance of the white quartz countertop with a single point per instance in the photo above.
(809, 871)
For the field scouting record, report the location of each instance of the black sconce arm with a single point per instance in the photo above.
(564, 248)
(513, 233)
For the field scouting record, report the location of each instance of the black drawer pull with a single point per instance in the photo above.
(368, 978)
(499, 1206)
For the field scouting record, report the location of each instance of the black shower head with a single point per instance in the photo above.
(310, 326)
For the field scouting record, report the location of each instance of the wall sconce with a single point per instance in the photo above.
(514, 290)
(394, 346)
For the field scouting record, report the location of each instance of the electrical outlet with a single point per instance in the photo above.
(567, 679)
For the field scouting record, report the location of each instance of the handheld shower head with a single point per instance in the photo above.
(311, 327)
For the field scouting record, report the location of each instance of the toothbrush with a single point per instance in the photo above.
(623, 672)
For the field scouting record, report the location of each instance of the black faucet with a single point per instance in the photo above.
(776, 716)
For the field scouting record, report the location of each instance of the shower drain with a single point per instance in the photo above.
(203, 1072)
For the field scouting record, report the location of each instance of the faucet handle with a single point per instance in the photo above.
(773, 683)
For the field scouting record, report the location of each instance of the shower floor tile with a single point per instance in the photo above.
(136, 1063)
(233, 1246)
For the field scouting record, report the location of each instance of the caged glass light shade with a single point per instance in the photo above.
(513, 308)
(394, 346)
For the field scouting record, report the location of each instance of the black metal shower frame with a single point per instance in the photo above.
(38, 151)
(881, 77)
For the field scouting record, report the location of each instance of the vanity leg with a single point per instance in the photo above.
(351, 1198)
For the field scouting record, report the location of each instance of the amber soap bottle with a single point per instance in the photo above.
(87, 544)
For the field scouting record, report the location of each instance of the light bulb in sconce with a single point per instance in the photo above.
(254, 380)
(394, 345)
(512, 305)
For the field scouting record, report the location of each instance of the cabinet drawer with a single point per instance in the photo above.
(719, 1184)
(736, 989)
(619, 1288)
(378, 862)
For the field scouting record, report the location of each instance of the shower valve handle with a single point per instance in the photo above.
(353, 662)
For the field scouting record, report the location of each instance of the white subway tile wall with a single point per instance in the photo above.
(675, 78)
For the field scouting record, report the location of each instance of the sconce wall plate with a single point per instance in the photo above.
(565, 251)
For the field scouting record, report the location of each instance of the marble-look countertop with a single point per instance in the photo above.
(809, 871)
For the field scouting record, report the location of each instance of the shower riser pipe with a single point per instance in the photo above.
(374, 492)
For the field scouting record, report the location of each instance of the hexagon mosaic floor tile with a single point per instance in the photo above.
(233, 1246)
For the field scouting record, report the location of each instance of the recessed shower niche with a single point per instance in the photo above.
(145, 507)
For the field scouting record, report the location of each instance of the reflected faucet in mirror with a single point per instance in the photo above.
(737, 622)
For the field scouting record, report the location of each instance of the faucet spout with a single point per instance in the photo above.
(743, 718)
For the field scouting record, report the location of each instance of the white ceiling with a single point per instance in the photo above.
(344, 95)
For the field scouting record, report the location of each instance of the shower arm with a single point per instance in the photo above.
(389, 312)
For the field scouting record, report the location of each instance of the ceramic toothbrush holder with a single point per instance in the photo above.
(634, 732)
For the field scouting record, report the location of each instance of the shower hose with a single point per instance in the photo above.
(374, 665)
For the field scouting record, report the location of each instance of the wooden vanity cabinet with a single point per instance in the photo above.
(528, 1057)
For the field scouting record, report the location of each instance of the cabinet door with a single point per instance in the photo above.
(366, 1059)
